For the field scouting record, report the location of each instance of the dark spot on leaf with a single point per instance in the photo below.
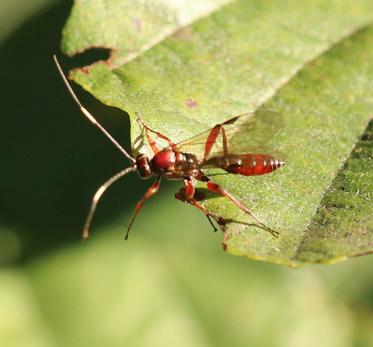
(191, 103)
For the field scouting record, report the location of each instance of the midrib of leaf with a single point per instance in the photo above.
(232, 63)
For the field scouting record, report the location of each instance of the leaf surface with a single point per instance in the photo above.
(311, 62)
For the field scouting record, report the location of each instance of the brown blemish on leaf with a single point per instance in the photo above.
(191, 103)
(85, 69)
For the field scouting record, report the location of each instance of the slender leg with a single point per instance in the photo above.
(149, 193)
(211, 139)
(225, 142)
(150, 140)
(214, 187)
(214, 133)
(211, 223)
(186, 194)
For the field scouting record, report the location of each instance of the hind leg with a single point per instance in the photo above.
(216, 188)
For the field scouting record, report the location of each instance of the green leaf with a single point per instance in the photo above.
(129, 27)
(310, 61)
(343, 225)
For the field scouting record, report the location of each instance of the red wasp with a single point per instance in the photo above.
(223, 146)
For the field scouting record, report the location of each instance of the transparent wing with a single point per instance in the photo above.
(246, 133)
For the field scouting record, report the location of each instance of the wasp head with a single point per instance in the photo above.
(143, 166)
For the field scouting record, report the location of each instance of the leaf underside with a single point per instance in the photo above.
(311, 61)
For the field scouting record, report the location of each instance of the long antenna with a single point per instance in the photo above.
(98, 195)
(88, 114)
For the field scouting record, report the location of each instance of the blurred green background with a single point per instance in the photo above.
(170, 284)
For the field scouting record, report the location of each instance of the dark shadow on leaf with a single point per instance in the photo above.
(218, 174)
(138, 143)
(234, 221)
(204, 194)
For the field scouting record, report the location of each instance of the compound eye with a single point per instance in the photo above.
(145, 171)
(143, 167)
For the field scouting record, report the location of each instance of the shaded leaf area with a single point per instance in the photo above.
(236, 59)
(343, 224)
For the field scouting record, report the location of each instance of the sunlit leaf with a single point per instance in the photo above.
(311, 62)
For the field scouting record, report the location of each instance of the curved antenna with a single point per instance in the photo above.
(88, 114)
(98, 195)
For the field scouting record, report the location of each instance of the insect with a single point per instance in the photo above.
(222, 146)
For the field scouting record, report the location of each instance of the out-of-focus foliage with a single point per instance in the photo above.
(13, 13)
(178, 288)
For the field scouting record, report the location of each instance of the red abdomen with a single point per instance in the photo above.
(254, 164)
(246, 164)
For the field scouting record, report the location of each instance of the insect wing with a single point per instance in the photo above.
(246, 133)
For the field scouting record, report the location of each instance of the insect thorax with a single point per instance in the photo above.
(174, 165)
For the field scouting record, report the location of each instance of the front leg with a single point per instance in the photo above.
(151, 142)
(152, 190)
(186, 195)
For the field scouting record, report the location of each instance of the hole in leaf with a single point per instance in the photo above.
(91, 56)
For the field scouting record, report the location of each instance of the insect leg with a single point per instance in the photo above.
(150, 140)
(211, 139)
(216, 188)
(148, 194)
(225, 142)
(186, 194)
(214, 133)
